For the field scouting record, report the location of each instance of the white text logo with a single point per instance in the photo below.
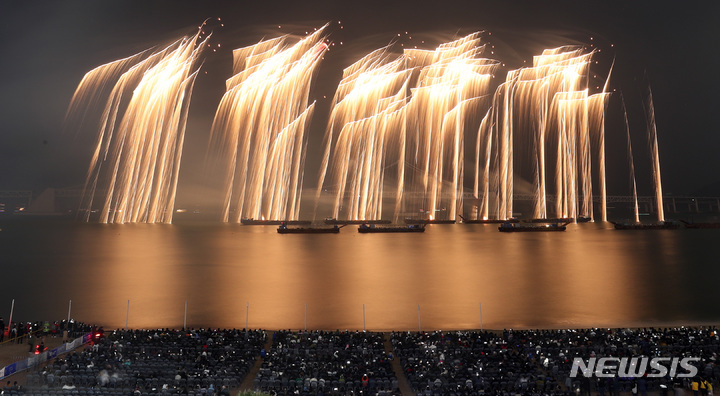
(634, 367)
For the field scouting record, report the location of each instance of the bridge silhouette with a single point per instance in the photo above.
(647, 203)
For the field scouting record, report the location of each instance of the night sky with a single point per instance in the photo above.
(47, 47)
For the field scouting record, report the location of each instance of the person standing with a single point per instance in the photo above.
(703, 386)
(20, 332)
(31, 346)
(2, 329)
(695, 386)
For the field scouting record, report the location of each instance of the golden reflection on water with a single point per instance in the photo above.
(589, 275)
(139, 263)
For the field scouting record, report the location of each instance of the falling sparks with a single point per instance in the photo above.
(396, 131)
(139, 146)
(261, 123)
(367, 113)
(547, 109)
(631, 161)
(652, 138)
(420, 134)
(407, 114)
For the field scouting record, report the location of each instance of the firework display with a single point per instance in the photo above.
(400, 129)
(139, 146)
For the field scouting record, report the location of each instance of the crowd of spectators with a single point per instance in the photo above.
(318, 362)
(468, 363)
(19, 331)
(527, 362)
(540, 361)
(139, 362)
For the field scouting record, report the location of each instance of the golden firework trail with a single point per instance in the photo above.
(597, 105)
(139, 147)
(366, 132)
(599, 125)
(652, 138)
(631, 161)
(483, 151)
(408, 113)
(261, 124)
(453, 87)
(397, 128)
(544, 109)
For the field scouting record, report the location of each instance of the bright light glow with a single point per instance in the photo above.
(547, 109)
(397, 127)
(140, 138)
(652, 137)
(260, 126)
(399, 123)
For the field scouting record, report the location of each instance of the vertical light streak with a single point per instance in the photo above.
(652, 137)
(433, 94)
(631, 161)
(586, 204)
(365, 134)
(397, 123)
(139, 146)
(260, 126)
(486, 129)
(537, 108)
(601, 160)
(597, 105)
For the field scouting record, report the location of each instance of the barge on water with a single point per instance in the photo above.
(700, 225)
(662, 225)
(284, 229)
(421, 221)
(532, 227)
(368, 228)
(579, 219)
(273, 222)
(347, 222)
(489, 221)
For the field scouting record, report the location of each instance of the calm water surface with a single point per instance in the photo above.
(459, 276)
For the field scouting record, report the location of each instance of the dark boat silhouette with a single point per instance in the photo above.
(284, 229)
(662, 225)
(368, 228)
(531, 227)
(427, 221)
(700, 225)
(489, 221)
(273, 222)
(346, 222)
(579, 219)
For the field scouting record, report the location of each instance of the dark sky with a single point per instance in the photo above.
(47, 46)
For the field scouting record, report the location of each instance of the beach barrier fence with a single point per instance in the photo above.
(43, 357)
